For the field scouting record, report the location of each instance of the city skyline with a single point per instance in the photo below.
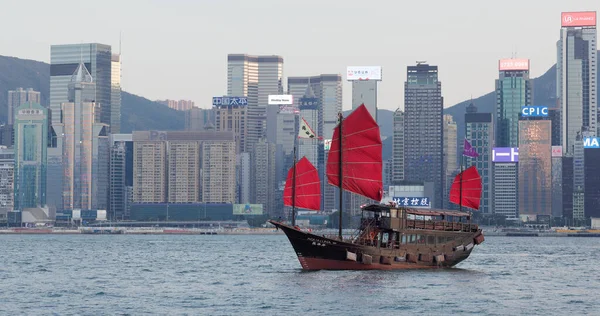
(448, 42)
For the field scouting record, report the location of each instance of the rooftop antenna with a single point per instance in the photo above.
(421, 62)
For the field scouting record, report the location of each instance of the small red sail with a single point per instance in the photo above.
(361, 155)
(308, 186)
(471, 188)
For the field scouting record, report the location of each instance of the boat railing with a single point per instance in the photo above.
(441, 225)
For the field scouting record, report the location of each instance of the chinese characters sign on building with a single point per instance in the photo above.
(412, 201)
(225, 101)
(364, 73)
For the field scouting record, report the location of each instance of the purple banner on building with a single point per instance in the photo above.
(505, 154)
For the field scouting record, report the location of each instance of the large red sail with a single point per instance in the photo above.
(361, 155)
(308, 186)
(471, 188)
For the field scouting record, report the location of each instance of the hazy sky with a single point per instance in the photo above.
(177, 49)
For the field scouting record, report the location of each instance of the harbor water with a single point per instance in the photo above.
(260, 275)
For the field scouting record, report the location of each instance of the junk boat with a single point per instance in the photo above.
(389, 237)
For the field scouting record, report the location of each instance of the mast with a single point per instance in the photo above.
(294, 191)
(462, 158)
(341, 117)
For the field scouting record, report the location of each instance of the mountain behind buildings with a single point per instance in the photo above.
(139, 113)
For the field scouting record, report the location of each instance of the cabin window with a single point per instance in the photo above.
(420, 239)
(394, 212)
(431, 240)
(441, 239)
(400, 213)
(413, 239)
(404, 239)
(449, 239)
(385, 238)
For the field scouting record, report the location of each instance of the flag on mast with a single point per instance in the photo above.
(305, 130)
(469, 151)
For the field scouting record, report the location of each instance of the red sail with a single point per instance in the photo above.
(471, 188)
(308, 186)
(361, 155)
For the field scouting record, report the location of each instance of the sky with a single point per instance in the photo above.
(177, 49)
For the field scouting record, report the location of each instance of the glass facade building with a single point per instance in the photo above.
(365, 92)
(31, 144)
(480, 133)
(592, 183)
(513, 91)
(97, 58)
(423, 133)
(506, 189)
(535, 170)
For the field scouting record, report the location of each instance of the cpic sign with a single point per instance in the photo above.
(534, 111)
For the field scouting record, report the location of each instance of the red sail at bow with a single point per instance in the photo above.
(308, 186)
(361, 155)
(471, 188)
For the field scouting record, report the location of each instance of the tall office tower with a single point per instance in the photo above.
(18, 97)
(506, 188)
(535, 170)
(54, 170)
(592, 183)
(31, 145)
(218, 170)
(183, 171)
(7, 179)
(97, 58)
(197, 119)
(557, 180)
(263, 176)
(233, 118)
(149, 167)
(309, 113)
(121, 175)
(387, 173)
(115, 94)
(287, 134)
(423, 133)
(513, 91)
(364, 87)
(398, 148)
(85, 146)
(576, 76)
(244, 178)
(554, 117)
(579, 175)
(450, 163)
(567, 189)
(254, 77)
(480, 133)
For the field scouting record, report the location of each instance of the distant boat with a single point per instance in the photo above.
(389, 237)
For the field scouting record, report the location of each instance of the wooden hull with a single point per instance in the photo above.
(322, 253)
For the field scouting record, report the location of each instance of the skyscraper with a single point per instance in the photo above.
(309, 112)
(85, 146)
(513, 91)
(18, 97)
(535, 170)
(398, 148)
(31, 144)
(115, 94)
(254, 77)
(218, 170)
(506, 193)
(263, 175)
(121, 175)
(98, 60)
(233, 118)
(450, 148)
(364, 87)
(423, 133)
(576, 76)
(7, 180)
(592, 183)
(480, 133)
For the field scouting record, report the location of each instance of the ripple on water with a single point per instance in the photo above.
(255, 275)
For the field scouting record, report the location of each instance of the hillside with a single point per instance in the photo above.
(137, 113)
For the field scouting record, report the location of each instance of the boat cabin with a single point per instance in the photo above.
(390, 217)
